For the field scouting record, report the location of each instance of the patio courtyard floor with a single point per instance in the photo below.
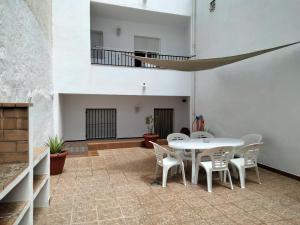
(115, 188)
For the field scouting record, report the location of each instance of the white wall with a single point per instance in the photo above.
(72, 69)
(129, 122)
(175, 40)
(180, 7)
(25, 62)
(128, 81)
(259, 95)
(71, 42)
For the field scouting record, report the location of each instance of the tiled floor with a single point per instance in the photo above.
(114, 188)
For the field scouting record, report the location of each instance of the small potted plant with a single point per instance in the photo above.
(150, 136)
(57, 155)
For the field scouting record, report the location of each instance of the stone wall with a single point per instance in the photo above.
(43, 14)
(13, 133)
(26, 62)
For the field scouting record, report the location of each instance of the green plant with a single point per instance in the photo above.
(149, 121)
(55, 144)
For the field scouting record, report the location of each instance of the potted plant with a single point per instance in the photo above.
(150, 136)
(57, 155)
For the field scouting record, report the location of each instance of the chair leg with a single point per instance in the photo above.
(156, 170)
(196, 173)
(209, 180)
(242, 173)
(165, 176)
(229, 177)
(234, 172)
(183, 173)
(178, 169)
(173, 170)
(221, 176)
(257, 174)
(225, 177)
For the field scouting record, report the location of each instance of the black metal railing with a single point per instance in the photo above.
(123, 58)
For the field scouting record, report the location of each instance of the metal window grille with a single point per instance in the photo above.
(101, 123)
(163, 122)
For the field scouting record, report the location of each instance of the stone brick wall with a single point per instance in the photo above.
(13, 133)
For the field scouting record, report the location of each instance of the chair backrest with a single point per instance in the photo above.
(159, 153)
(219, 156)
(177, 137)
(250, 153)
(201, 134)
(251, 138)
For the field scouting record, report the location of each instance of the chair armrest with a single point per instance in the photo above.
(171, 153)
(202, 154)
(245, 148)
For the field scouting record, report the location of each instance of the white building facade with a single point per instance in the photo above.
(92, 67)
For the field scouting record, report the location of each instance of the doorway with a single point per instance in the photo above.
(163, 121)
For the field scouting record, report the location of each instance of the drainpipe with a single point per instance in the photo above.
(193, 51)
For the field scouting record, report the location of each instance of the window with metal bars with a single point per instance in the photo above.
(101, 123)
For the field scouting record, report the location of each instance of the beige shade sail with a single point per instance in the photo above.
(204, 64)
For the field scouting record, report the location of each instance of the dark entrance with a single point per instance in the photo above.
(101, 123)
(163, 122)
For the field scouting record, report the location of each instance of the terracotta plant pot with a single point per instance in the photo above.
(57, 162)
(150, 137)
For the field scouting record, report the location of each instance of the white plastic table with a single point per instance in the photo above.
(203, 144)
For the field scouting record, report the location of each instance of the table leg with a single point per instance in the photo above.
(193, 151)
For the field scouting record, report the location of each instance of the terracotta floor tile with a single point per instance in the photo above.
(228, 209)
(109, 213)
(244, 218)
(207, 212)
(133, 211)
(265, 216)
(87, 223)
(58, 208)
(220, 220)
(249, 205)
(115, 188)
(295, 221)
(84, 206)
(214, 199)
(296, 208)
(281, 222)
(58, 219)
(201, 222)
(154, 208)
(120, 221)
(128, 200)
(196, 202)
(84, 216)
(164, 219)
(107, 203)
(139, 220)
(284, 212)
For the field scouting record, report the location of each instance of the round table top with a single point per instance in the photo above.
(205, 143)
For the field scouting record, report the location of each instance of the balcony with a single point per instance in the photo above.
(101, 56)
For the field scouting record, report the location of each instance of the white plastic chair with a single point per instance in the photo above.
(186, 155)
(251, 139)
(220, 157)
(248, 159)
(201, 134)
(172, 159)
(248, 139)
